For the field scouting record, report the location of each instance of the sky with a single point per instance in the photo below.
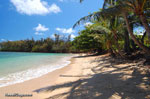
(24, 19)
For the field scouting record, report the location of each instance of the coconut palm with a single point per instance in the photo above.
(140, 8)
(119, 9)
(111, 27)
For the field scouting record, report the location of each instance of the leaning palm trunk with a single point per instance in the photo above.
(119, 50)
(109, 47)
(117, 45)
(145, 49)
(142, 39)
(145, 24)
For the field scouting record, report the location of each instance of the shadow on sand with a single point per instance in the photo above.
(104, 85)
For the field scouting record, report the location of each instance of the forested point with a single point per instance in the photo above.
(60, 44)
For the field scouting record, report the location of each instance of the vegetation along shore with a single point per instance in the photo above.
(112, 61)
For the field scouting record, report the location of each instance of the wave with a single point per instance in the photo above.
(32, 73)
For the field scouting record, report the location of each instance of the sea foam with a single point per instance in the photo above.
(32, 73)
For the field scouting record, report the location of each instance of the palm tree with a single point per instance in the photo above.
(103, 35)
(121, 9)
(111, 27)
(140, 8)
(132, 35)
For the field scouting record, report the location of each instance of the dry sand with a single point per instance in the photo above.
(92, 77)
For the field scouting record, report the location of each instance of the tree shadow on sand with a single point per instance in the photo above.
(104, 85)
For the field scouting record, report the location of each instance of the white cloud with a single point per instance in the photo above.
(3, 39)
(41, 27)
(73, 36)
(54, 9)
(64, 30)
(37, 7)
(87, 24)
(37, 33)
(52, 36)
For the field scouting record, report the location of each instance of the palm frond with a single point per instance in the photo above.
(101, 29)
(113, 11)
(83, 20)
(81, 1)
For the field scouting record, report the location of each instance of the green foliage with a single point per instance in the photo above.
(59, 45)
(86, 42)
(115, 21)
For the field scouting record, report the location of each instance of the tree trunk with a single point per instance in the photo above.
(142, 39)
(145, 24)
(112, 53)
(145, 49)
(127, 48)
(133, 45)
(117, 45)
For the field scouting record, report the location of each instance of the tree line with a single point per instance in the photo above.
(60, 44)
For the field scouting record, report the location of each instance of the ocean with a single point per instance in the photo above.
(16, 67)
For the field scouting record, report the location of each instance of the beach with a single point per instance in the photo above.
(87, 77)
(75, 49)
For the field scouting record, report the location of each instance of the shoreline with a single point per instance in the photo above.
(11, 89)
(27, 73)
(87, 77)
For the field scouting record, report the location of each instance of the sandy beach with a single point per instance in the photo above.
(87, 77)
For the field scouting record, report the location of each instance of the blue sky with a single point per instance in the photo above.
(24, 19)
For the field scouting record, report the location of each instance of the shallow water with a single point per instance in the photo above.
(16, 67)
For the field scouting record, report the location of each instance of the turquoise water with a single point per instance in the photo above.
(16, 67)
